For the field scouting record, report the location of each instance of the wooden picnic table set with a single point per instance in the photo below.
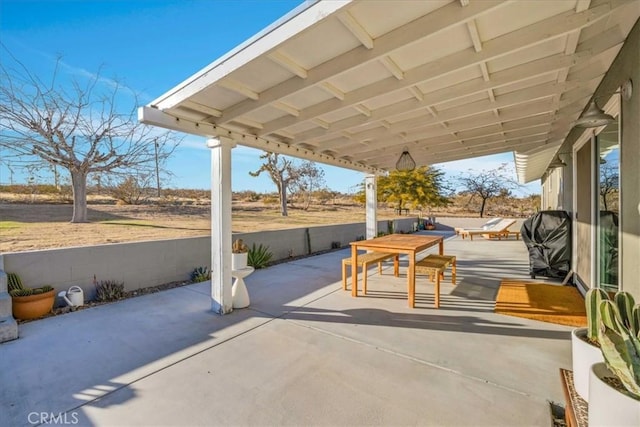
(392, 246)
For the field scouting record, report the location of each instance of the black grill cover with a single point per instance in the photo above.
(547, 235)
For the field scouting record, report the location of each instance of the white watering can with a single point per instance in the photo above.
(74, 296)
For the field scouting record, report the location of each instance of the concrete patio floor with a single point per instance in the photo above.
(304, 353)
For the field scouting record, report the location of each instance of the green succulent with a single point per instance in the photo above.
(200, 274)
(259, 256)
(620, 346)
(109, 290)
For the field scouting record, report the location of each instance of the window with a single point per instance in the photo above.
(608, 194)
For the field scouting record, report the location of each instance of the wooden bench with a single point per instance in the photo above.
(364, 260)
(434, 266)
(503, 234)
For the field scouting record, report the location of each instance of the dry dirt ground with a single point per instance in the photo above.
(37, 225)
(31, 222)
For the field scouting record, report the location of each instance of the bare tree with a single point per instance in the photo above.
(309, 179)
(282, 172)
(609, 184)
(487, 184)
(78, 127)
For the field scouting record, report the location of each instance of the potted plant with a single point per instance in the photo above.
(614, 386)
(29, 303)
(239, 254)
(585, 349)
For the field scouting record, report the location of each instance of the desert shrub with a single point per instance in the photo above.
(270, 200)
(259, 256)
(131, 190)
(109, 290)
(200, 274)
(248, 196)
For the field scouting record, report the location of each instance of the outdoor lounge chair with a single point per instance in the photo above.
(499, 230)
(485, 226)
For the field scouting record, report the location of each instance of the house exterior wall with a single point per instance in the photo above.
(630, 167)
(626, 66)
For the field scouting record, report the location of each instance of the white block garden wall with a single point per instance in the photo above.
(150, 263)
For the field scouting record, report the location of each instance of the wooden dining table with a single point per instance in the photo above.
(408, 244)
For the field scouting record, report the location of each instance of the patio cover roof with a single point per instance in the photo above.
(354, 83)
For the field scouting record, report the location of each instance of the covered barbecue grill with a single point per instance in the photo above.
(547, 235)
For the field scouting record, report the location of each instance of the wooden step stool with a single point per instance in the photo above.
(434, 266)
(364, 261)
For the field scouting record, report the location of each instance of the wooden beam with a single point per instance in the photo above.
(393, 68)
(442, 19)
(363, 110)
(531, 35)
(475, 36)
(286, 108)
(155, 117)
(333, 90)
(356, 29)
(247, 52)
(238, 87)
(287, 62)
(202, 108)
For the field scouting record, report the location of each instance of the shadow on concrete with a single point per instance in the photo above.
(97, 352)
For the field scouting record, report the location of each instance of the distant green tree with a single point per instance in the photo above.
(421, 188)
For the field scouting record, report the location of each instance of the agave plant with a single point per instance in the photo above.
(109, 290)
(620, 343)
(200, 274)
(259, 257)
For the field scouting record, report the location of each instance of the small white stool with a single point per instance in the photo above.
(239, 290)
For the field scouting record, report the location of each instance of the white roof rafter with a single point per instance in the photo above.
(350, 83)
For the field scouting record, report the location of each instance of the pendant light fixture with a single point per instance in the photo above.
(594, 117)
(405, 162)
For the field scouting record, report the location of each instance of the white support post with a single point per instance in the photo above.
(221, 299)
(371, 206)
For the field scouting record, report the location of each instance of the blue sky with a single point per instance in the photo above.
(151, 46)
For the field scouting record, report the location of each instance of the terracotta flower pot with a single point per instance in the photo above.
(33, 306)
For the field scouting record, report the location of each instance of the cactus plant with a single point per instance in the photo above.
(42, 290)
(592, 300)
(21, 292)
(14, 282)
(239, 247)
(620, 347)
